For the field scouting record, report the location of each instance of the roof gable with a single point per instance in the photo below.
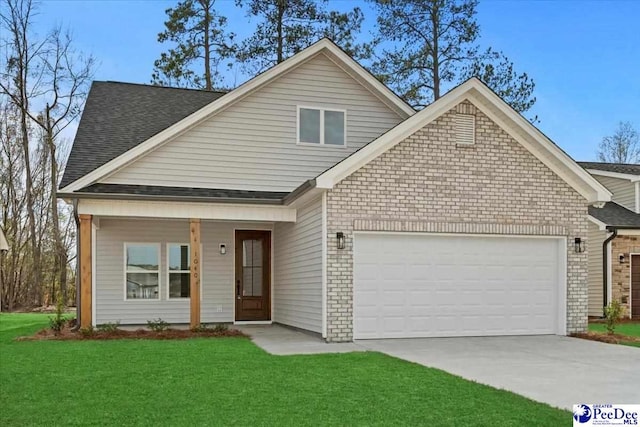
(111, 163)
(497, 110)
(114, 120)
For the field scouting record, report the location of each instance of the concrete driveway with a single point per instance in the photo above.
(556, 370)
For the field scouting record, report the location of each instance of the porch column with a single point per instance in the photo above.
(85, 270)
(194, 227)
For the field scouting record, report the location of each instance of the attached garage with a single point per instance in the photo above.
(411, 285)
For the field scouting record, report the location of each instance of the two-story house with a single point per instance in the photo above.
(614, 239)
(312, 196)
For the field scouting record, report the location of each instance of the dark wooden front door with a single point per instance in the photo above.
(253, 275)
(635, 286)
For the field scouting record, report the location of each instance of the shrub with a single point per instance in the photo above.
(201, 328)
(157, 325)
(109, 327)
(612, 314)
(56, 323)
(220, 327)
(88, 331)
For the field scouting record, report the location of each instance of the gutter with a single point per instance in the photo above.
(306, 186)
(117, 196)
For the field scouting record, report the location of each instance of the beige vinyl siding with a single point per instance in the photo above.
(252, 144)
(595, 238)
(624, 192)
(217, 270)
(297, 293)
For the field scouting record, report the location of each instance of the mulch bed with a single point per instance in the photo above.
(68, 333)
(607, 338)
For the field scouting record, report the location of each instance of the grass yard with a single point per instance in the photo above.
(630, 329)
(230, 381)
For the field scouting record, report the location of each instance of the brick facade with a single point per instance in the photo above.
(428, 183)
(621, 272)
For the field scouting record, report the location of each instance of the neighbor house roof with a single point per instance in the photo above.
(119, 116)
(500, 113)
(145, 128)
(614, 215)
(624, 168)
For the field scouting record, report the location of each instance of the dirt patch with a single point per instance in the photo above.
(608, 338)
(68, 333)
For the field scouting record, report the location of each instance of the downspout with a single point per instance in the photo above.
(605, 267)
(77, 219)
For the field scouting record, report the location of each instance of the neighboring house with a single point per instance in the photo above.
(4, 246)
(312, 196)
(614, 269)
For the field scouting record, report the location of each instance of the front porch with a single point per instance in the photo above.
(193, 271)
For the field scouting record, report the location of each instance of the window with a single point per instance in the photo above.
(142, 270)
(179, 257)
(322, 127)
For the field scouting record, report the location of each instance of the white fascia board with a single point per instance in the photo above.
(390, 139)
(598, 193)
(185, 210)
(226, 100)
(625, 176)
(601, 225)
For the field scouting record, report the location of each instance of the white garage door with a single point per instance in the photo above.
(417, 285)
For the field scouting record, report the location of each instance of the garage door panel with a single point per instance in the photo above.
(417, 285)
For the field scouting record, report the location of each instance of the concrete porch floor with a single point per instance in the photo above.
(280, 340)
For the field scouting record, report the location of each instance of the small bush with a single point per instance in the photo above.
(221, 327)
(88, 331)
(201, 328)
(157, 325)
(109, 327)
(612, 314)
(57, 322)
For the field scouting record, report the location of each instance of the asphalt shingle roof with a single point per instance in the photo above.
(612, 214)
(627, 168)
(119, 116)
(275, 197)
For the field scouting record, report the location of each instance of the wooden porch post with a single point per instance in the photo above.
(85, 270)
(194, 227)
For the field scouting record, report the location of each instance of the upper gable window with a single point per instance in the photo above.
(321, 126)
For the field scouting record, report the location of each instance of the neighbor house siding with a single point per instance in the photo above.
(297, 292)
(624, 192)
(595, 238)
(217, 270)
(252, 144)
(427, 183)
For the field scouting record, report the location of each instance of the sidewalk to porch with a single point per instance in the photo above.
(280, 340)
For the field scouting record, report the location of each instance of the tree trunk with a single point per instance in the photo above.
(281, 8)
(435, 20)
(207, 44)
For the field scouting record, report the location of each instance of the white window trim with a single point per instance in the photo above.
(124, 256)
(322, 111)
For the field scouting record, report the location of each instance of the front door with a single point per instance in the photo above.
(635, 286)
(253, 275)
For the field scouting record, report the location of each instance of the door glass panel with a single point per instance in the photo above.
(252, 268)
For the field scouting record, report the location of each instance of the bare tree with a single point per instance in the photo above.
(621, 147)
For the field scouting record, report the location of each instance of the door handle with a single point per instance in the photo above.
(238, 289)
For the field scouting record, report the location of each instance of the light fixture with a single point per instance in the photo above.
(578, 245)
(223, 249)
(621, 258)
(340, 238)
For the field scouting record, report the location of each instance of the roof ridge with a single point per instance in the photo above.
(161, 87)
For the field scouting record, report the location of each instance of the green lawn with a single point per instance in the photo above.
(230, 381)
(629, 329)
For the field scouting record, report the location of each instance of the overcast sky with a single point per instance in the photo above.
(583, 55)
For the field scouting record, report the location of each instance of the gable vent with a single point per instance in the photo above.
(465, 128)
